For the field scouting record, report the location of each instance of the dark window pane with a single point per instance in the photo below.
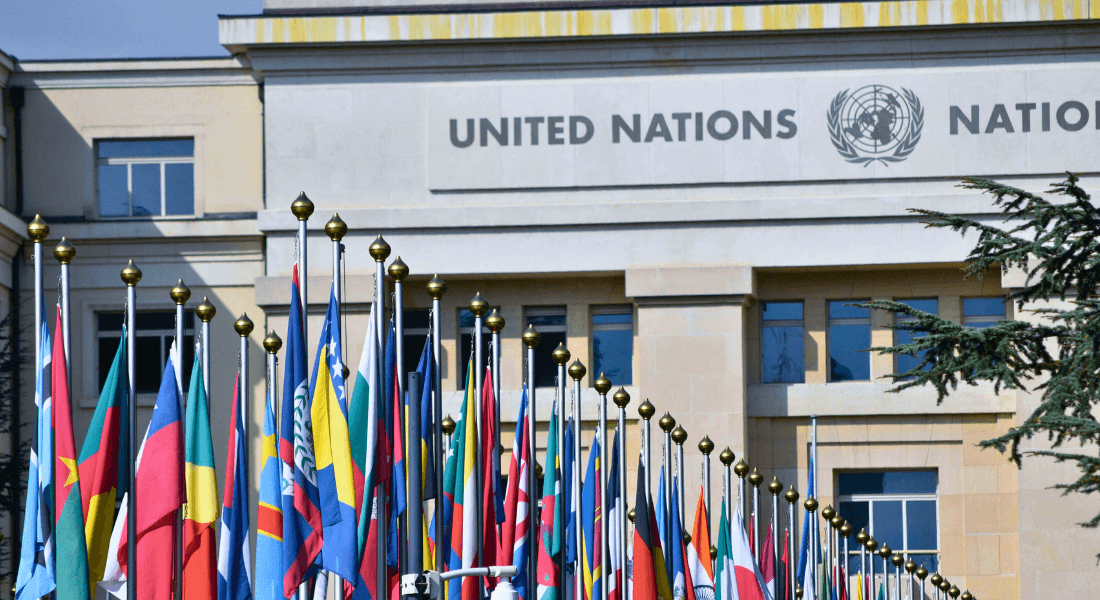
(179, 189)
(927, 305)
(107, 347)
(928, 561)
(417, 319)
(848, 360)
(920, 518)
(859, 483)
(114, 193)
(111, 321)
(466, 341)
(857, 514)
(414, 345)
(984, 307)
(156, 320)
(841, 309)
(612, 319)
(613, 353)
(465, 318)
(781, 311)
(149, 366)
(546, 320)
(905, 361)
(187, 359)
(909, 482)
(545, 369)
(146, 189)
(145, 148)
(887, 523)
(782, 355)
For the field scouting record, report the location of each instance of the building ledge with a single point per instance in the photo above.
(141, 72)
(871, 398)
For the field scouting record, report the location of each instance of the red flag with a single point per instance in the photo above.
(785, 566)
(491, 479)
(767, 562)
(644, 580)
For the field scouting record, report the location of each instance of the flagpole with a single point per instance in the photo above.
(380, 251)
(861, 541)
(531, 339)
(792, 577)
(755, 479)
(272, 344)
(560, 356)
(622, 399)
(741, 469)
(726, 457)
(302, 208)
(607, 570)
(495, 323)
(398, 271)
(180, 295)
(775, 487)
(884, 552)
(679, 436)
(706, 447)
(131, 275)
(871, 545)
(837, 522)
(577, 372)
(38, 231)
(667, 423)
(206, 312)
(415, 508)
(478, 306)
(910, 568)
(646, 410)
(922, 573)
(436, 289)
(827, 514)
(244, 327)
(64, 252)
(811, 505)
(448, 427)
(897, 559)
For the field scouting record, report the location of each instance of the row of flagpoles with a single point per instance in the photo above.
(345, 480)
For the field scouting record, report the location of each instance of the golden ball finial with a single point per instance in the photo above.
(243, 325)
(131, 275)
(755, 478)
(577, 370)
(398, 270)
(448, 425)
(936, 579)
(336, 228)
(885, 551)
(206, 311)
(630, 515)
(646, 410)
(602, 384)
(910, 566)
(837, 521)
(272, 342)
(811, 504)
(667, 422)
(706, 446)
(741, 468)
(863, 536)
(302, 207)
(846, 529)
(621, 397)
(64, 252)
(713, 552)
(37, 229)
(792, 495)
(871, 544)
(379, 249)
(478, 305)
(494, 321)
(775, 487)
(538, 471)
(828, 513)
(346, 371)
(560, 355)
(679, 435)
(531, 338)
(180, 293)
(967, 595)
(436, 288)
(727, 456)
(922, 573)
(798, 592)
(953, 592)
(897, 559)
(944, 585)
(686, 537)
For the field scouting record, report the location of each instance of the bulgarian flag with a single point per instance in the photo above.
(71, 551)
(200, 560)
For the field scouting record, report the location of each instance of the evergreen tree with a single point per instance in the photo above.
(1057, 245)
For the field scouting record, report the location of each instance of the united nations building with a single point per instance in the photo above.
(692, 198)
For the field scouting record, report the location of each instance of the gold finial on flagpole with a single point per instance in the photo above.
(64, 252)
(478, 305)
(131, 274)
(846, 529)
(775, 486)
(741, 468)
(602, 384)
(679, 435)
(206, 310)
(379, 249)
(953, 592)
(560, 355)
(180, 293)
(921, 573)
(910, 566)
(494, 321)
(37, 229)
(621, 397)
(727, 456)
(272, 342)
(837, 521)
(243, 326)
(630, 515)
(302, 207)
(667, 423)
(792, 495)
(811, 504)
(336, 228)
(577, 372)
(646, 409)
(531, 338)
(828, 513)
(436, 288)
(448, 425)
(755, 478)
(398, 270)
(706, 446)
(862, 537)
(871, 545)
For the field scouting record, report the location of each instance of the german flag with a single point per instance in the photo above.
(644, 578)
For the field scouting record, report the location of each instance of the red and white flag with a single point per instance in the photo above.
(750, 582)
(767, 562)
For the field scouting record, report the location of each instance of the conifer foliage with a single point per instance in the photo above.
(1057, 244)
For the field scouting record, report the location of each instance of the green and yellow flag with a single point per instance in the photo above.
(200, 561)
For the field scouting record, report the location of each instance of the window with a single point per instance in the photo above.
(983, 312)
(902, 336)
(849, 337)
(782, 357)
(140, 178)
(417, 326)
(613, 343)
(897, 508)
(466, 343)
(550, 323)
(152, 341)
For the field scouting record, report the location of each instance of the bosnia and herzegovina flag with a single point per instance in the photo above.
(269, 515)
(301, 516)
(459, 485)
(548, 577)
(103, 471)
(234, 554)
(71, 552)
(331, 440)
(200, 549)
(591, 541)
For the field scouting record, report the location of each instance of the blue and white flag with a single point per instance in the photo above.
(234, 553)
(804, 564)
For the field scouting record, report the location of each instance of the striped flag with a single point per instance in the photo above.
(725, 581)
(269, 515)
(614, 523)
(644, 568)
(234, 554)
(364, 414)
(750, 582)
(200, 549)
(300, 496)
(591, 541)
(36, 555)
(681, 585)
(103, 462)
(517, 509)
(549, 539)
(767, 562)
(488, 456)
(339, 554)
(458, 483)
(698, 553)
(72, 550)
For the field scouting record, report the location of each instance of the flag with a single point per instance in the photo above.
(725, 580)
(103, 462)
(395, 420)
(591, 541)
(661, 509)
(569, 511)
(643, 580)
(489, 458)
(364, 414)
(71, 550)
(269, 514)
(459, 485)
(426, 368)
(200, 549)
(36, 576)
(698, 553)
(767, 562)
(331, 441)
(234, 554)
(750, 583)
(548, 579)
(161, 494)
(614, 523)
(805, 568)
(680, 588)
(513, 535)
(302, 528)
(784, 568)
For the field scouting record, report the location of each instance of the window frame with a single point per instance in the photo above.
(162, 335)
(903, 318)
(544, 311)
(830, 321)
(608, 309)
(983, 320)
(781, 323)
(870, 499)
(129, 163)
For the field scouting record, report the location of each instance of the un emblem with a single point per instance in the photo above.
(875, 123)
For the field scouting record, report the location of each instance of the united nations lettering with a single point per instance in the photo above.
(875, 123)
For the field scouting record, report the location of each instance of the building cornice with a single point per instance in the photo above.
(241, 33)
(189, 72)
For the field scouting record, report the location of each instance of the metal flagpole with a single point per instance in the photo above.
(834, 537)
(436, 289)
(871, 545)
(64, 252)
(667, 423)
(755, 479)
(379, 250)
(741, 469)
(206, 312)
(495, 323)
(910, 568)
(244, 327)
(861, 541)
(792, 577)
(272, 344)
(811, 505)
(922, 573)
(897, 560)
(603, 385)
(884, 553)
(726, 457)
(827, 515)
(180, 295)
(302, 208)
(415, 506)
(398, 272)
(706, 447)
(131, 275)
(531, 339)
(846, 534)
(448, 427)
(646, 410)
(560, 356)
(577, 372)
(775, 487)
(679, 436)
(479, 307)
(622, 399)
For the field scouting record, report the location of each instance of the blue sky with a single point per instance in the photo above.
(43, 29)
